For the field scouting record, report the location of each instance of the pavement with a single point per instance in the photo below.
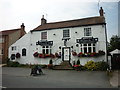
(20, 78)
(115, 78)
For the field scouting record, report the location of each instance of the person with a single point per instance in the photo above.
(39, 69)
(33, 71)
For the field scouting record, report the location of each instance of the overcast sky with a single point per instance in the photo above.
(29, 12)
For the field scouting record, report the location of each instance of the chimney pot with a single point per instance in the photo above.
(43, 20)
(101, 11)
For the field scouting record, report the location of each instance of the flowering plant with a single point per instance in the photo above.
(18, 55)
(57, 55)
(74, 53)
(40, 55)
(36, 54)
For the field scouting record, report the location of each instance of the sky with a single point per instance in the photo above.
(29, 12)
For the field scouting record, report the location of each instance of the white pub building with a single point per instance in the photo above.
(84, 39)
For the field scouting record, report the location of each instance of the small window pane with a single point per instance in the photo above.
(43, 51)
(89, 44)
(85, 44)
(47, 51)
(89, 49)
(85, 49)
(94, 49)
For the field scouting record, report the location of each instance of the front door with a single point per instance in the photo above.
(66, 53)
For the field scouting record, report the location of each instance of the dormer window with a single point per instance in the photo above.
(87, 32)
(43, 35)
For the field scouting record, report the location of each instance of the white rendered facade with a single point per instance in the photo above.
(29, 41)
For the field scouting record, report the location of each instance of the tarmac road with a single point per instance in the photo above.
(20, 78)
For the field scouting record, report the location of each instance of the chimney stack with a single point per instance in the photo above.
(101, 11)
(22, 32)
(43, 21)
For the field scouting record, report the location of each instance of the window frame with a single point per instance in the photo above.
(66, 33)
(44, 35)
(87, 32)
(46, 49)
(87, 47)
(24, 53)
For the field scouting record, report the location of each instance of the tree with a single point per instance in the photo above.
(114, 43)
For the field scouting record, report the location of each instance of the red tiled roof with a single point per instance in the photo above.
(7, 32)
(72, 23)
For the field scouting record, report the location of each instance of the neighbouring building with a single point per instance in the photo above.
(7, 38)
(84, 39)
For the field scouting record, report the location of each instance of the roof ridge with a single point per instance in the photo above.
(72, 23)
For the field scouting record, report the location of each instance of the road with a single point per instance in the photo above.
(20, 78)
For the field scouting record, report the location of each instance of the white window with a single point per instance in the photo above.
(13, 48)
(66, 33)
(43, 35)
(46, 49)
(87, 31)
(88, 48)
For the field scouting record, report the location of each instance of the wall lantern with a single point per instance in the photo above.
(54, 34)
(60, 47)
(72, 47)
(76, 32)
(77, 45)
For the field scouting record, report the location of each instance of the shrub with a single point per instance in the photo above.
(101, 65)
(90, 65)
(12, 64)
(50, 62)
(78, 62)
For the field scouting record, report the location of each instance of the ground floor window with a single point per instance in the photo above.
(46, 49)
(88, 47)
(12, 56)
(23, 52)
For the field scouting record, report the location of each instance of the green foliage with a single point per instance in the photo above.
(90, 65)
(78, 62)
(114, 43)
(50, 62)
(12, 64)
(101, 65)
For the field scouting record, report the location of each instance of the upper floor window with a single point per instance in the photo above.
(87, 31)
(43, 35)
(13, 48)
(23, 52)
(66, 33)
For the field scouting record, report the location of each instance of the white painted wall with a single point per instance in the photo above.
(29, 40)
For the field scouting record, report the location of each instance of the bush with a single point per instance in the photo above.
(50, 62)
(101, 65)
(12, 64)
(78, 62)
(90, 65)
